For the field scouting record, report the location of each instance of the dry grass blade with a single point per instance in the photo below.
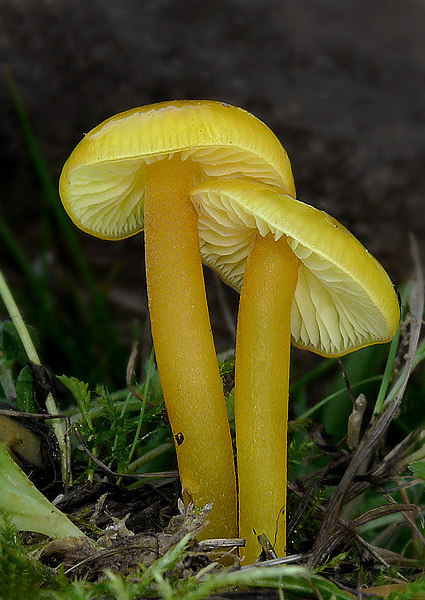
(409, 519)
(307, 493)
(323, 545)
(389, 466)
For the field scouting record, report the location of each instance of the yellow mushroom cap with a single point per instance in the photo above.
(344, 299)
(102, 183)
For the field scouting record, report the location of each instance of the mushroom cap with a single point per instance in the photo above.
(344, 299)
(102, 183)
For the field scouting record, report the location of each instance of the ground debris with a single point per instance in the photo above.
(120, 550)
(149, 507)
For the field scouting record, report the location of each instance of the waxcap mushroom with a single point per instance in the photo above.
(344, 299)
(135, 171)
(102, 182)
(302, 276)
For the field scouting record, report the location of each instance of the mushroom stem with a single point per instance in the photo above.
(262, 390)
(184, 346)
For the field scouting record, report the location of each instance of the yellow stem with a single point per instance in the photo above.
(261, 392)
(184, 345)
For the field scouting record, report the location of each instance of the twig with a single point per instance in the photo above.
(407, 517)
(347, 383)
(382, 511)
(390, 466)
(220, 543)
(157, 475)
(27, 415)
(372, 551)
(307, 496)
(275, 562)
(361, 456)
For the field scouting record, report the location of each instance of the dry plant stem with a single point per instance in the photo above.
(378, 428)
(322, 545)
(345, 529)
(261, 392)
(388, 467)
(409, 517)
(306, 497)
(184, 346)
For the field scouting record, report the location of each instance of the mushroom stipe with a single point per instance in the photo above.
(209, 183)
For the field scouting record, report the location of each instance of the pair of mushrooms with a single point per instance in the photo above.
(209, 183)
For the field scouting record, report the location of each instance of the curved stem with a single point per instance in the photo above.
(261, 391)
(56, 424)
(184, 346)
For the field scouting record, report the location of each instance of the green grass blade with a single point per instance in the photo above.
(356, 386)
(142, 408)
(50, 190)
(101, 326)
(316, 372)
(32, 355)
(26, 506)
(391, 358)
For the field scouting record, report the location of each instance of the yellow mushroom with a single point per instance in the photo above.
(301, 275)
(135, 171)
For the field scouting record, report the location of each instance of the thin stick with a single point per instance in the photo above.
(407, 517)
(157, 475)
(347, 383)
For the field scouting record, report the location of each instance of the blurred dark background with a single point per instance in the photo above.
(342, 84)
